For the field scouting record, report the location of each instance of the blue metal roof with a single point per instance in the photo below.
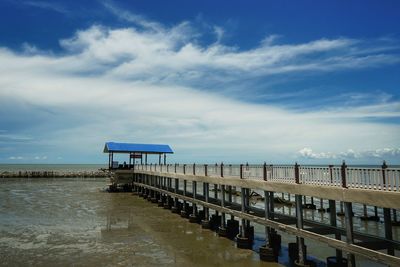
(141, 148)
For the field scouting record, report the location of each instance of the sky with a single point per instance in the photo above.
(313, 82)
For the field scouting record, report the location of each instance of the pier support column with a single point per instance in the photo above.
(332, 217)
(175, 208)
(301, 261)
(160, 195)
(154, 193)
(242, 241)
(184, 213)
(388, 228)
(222, 228)
(167, 201)
(341, 211)
(321, 205)
(267, 252)
(349, 231)
(230, 194)
(193, 216)
(206, 223)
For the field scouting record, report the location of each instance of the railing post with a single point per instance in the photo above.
(194, 168)
(184, 168)
(265, 171)
(296, 173)
(343, 174)
(241, 171)
(205, 169)
(222, 169)
(384, 167)
(331, 173)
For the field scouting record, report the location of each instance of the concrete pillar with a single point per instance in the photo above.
(184, 211)
(332, 217)
(321, 205)
(242, 241)
(175, 208)
(388, 228)
(267, 252)
(299, 223)
(230, 194)
(193, 216)
(349, 231)
(222, 228)
(206, 222)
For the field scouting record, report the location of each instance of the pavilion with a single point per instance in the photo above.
(135, 151)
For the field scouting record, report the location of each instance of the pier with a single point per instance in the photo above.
(195, 190)
(55, 174)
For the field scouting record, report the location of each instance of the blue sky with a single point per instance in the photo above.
(241, 81)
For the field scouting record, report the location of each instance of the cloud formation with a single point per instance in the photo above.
(145, 84)
(351, 154)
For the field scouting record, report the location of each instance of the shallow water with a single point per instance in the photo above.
(72, 222)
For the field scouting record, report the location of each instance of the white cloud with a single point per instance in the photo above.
(141, 85)
(380, 153)
(308, 153)
(16, 158)
(47, 5)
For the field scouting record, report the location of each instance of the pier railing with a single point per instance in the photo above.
(383, 178)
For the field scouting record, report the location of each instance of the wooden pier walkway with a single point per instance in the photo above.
(349, 186)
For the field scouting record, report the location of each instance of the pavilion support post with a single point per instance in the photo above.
(159, 159)
(145, 158)
(165, 159)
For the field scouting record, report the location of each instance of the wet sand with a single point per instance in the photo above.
(71, 222)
